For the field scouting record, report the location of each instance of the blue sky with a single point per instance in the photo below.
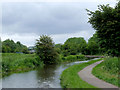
(26, 21)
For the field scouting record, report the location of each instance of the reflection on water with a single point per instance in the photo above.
(46, 72)
(46, 77)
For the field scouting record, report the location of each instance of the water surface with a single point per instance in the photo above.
(46, 77)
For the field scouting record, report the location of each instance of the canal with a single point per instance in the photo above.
(46, 77)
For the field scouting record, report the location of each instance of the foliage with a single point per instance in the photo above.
(108, 71)
(14, 62)
(70, 78)
(74, 46)
(111, 65)
(9, 46)
(70, 58)
(45, 49)
(58, 48)
(106, 21)
(0, 45)
(93, 46)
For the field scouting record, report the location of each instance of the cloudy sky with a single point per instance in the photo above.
(26, 21)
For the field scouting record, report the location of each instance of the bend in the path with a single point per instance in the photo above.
(86, 75)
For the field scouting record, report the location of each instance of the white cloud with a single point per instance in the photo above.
(26, 39)
(61, 38)
(24, 22)
(43, 18)
(57, 0)
(30, 39)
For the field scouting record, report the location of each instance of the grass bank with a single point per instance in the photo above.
(108, 71)
(15, 63)
(70, 78)
(72, 58)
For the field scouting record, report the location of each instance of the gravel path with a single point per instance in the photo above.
(86, 75)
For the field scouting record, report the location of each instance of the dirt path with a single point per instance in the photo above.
(86, 75)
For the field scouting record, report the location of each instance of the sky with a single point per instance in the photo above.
(26, 21)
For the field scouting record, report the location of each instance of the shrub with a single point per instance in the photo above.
(45, 49)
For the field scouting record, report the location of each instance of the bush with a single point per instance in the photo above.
(45, 49)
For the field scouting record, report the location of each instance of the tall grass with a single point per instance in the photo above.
(13, 62)
(111, 65)
(108, 70)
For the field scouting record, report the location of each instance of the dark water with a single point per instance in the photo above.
(46, 77)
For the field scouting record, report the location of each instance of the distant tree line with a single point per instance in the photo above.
(9, 46)
(76, 46)
(49, 52)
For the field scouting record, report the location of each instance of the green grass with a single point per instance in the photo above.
(14, 63)
(72, 58)
(70, 78)
(108, 71)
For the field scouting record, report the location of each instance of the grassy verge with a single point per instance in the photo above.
(72, 58)
(70, 78)
(108, 71)
(15, 63)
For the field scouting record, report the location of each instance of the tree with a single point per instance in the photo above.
(74, 46)
(9, 46)
(106, 22)
(0, 46)
(93, 46)
(45, 49)
(25, 49)
(58, 48)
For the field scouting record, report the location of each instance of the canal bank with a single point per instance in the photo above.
(46, 77)
(86, 75)
(70, 78)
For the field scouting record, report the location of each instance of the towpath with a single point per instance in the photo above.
(86, 75)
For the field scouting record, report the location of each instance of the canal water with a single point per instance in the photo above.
(46, 77)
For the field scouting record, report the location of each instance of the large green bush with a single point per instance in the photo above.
(45, 50)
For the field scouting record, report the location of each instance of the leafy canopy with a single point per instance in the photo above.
(74, 46)
(9, 46)
(106, 22)
(45, 49)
